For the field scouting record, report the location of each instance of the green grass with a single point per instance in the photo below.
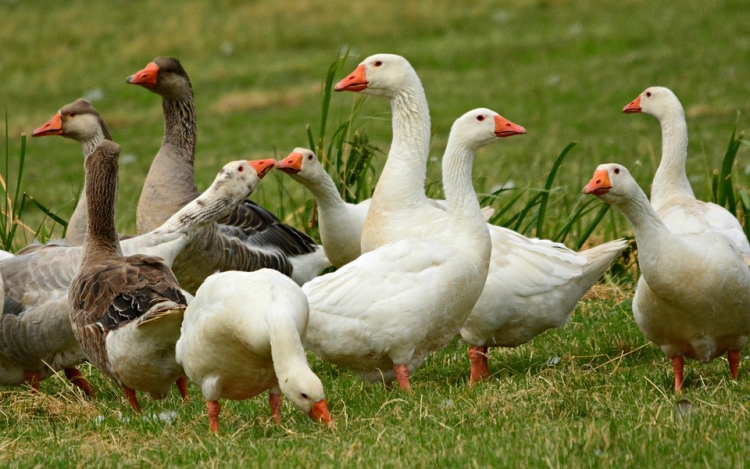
(562, 69)
(607, 402)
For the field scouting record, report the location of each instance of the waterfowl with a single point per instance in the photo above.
(693, 297)
(250, 238)
(241, 336)
(79, 121)
(383, 313)
(532, 284)
(671, 194)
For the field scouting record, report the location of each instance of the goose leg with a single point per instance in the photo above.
(132, 399)
(402, 376)
(677, 365)
(734, 363)
(75, 377)
(274, 399)
(213, 415)
(480, 367)
(32, 378)
(182, 385)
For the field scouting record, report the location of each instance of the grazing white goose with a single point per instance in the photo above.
(81, 122)
(36, 338)
(250, 238)
(532, 284)
(383, 313)
(241, 336)
(671, 194)
(693, 297)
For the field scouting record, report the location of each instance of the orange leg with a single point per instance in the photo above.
(213, 415)
(480, 367)
(402, 376)
(734, 363)
(275, 401)
(131, 398)
(32, 378)
(677, 365)
(75, 377)
(182, 385)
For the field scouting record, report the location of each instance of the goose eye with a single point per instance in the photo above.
(241, 168)
(617, 170)
(378, 63)
(480, 118)
(71, 114)
(309, 157)
(648, 94)
(304, 396)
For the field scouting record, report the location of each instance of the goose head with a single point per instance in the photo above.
(305, 390)
(300, 162)
(480, 127)
(240, 178)
(657, 101)
(612, 183)
(164, 76)
(380, 75)
(78, 120)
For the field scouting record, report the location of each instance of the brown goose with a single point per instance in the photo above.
(36, 336)
(78, 121)
(251, 238)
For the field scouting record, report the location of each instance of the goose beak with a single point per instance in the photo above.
(633, 107)
(320, 413)
(356, 81)
(262, 166)
(599, 184)
(52, 127)
(146, 77)
(505, 128)
(292, 164)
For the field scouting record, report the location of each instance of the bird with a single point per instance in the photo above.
(241, 336)
(251, 237)
(693, 296)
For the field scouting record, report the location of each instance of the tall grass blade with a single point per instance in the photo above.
(548, 187)
(725, 191)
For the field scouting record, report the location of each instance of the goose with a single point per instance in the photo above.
(383, 313)
(241, 336)
(79, 121)
(693, 297)
(249, 239)
(532, 284)
(671, 194)
(340, 223)
(36, 336)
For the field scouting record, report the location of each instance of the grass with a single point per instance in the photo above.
(592, 394)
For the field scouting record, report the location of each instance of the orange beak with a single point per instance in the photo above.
(292, 164)
(52, 127)
(262, 166)
(356, 81)
(599, 183)
(633, 107)
(319, 412)
(146, 77)
(505, 128)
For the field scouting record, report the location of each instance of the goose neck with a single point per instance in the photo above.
(324, 190)
(101, 192)
(649, 230)
(286, 347)
(180, 128)
(458, 185)
(670, 177)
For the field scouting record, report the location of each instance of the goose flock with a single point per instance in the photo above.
(411, 273)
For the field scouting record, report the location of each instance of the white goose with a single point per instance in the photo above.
(36, 338)
(671, 194)
(383, 313)
(693, 297)
(532, 284)
(241, 336)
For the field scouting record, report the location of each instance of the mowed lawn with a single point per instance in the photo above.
(592, 394)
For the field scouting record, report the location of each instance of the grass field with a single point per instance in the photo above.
(562, 69)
